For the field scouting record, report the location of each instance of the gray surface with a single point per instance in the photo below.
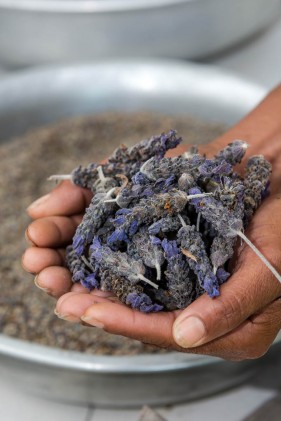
(38, 97)
(270, 410)
(44, 31)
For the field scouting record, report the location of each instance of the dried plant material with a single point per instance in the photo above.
(188, 254)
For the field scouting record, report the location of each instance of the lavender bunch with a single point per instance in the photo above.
(159, 232)
(256, 183)
(128, 221)
(126, 161)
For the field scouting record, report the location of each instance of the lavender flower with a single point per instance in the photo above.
(224, 221)
(222, 250)
(160, 205)
(179, 285)
(142, 302)
(233, 153)
(95, 216)
(155, 168)
(119, 263)
(256, 183)
(193, 248)
(167, 224)
(147, 249)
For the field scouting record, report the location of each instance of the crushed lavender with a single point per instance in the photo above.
(167, 268)
(26, 162)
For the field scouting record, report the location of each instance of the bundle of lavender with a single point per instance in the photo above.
(159, 232)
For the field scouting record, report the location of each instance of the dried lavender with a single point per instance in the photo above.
(119, 263)
(193, 247)
(95, 216)
(180, 287)
(159, 232)
(222, 219)
(222, 250)
(256, 183)
(128, 221)
(126, 161)
(233, 153)
(148, 249)
(82, 270)
(156, 168)
(166, 225)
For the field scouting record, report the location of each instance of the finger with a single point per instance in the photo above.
(179, 150)
(36, 259)
(153, 328)
(54, 280)
(71, 306)
(53, 231)
(65, 199)
(248, 341)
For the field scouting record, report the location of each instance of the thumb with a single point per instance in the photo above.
(245, 293)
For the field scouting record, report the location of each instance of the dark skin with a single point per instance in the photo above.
(240, 324)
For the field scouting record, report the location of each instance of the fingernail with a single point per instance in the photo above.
(92, 321)
(67, 317)
(27, 239)
(47, 290)
(190, 332)
(39, 202)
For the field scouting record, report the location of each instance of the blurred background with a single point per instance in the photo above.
(208, 60)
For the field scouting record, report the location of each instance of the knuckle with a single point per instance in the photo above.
(229, 311)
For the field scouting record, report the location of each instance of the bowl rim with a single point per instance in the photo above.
(88, 6)
(19, 349)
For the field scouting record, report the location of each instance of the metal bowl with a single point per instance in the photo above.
(44, 31)
(39, 97)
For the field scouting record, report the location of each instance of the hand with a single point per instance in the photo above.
(239, 324)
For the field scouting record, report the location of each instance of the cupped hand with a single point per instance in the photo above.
(240, 324)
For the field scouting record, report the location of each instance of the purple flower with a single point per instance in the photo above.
(123, 211)
(142, 302)
(117, 236)
(133, 228)
(96, 249)
(170, 248)
(234, 152)
(90, 282)
(78, 244)
(210, 167)
(210, 285)
(222, 275)
(79, 275)
(155, 240)
(140, 178)
(155, 228)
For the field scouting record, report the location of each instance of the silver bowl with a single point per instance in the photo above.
(39, 97)
(44, 31)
